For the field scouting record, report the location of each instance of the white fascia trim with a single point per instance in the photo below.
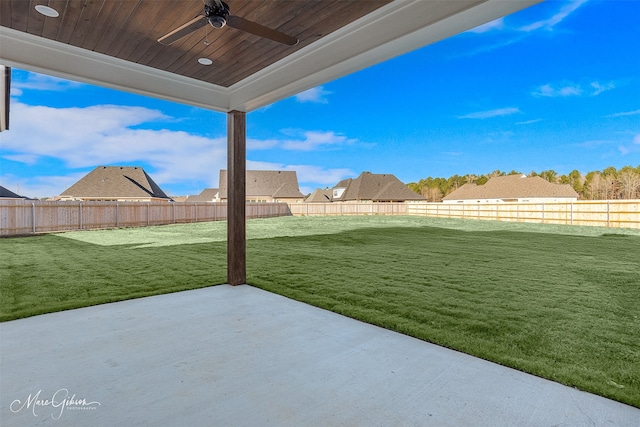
(394, 29)
(33, 53)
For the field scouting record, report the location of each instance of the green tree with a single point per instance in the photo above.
(575, 180)
(456, 181)
(549, 175)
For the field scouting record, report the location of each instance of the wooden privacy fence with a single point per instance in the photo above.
(321, 209)
(23, 217)
(604, 213)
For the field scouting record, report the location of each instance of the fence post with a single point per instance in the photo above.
(80, 206)
(148, 214)
(33, 216)
(117, 211)
(608, 224)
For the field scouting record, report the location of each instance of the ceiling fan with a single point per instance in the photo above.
(216, 14)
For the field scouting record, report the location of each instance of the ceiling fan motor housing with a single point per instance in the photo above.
(216, 14)
(217, 21)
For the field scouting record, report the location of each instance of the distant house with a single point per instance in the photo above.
(7, 194)
(320, 196)
(207, 195)
(119, 183)
(373, 187)
(513, 188)
(267, 186)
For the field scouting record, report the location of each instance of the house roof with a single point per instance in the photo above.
(512, 187)
(276, 184)
(320, 196)
(8, 194)
(376, 187)
(114, 43)
(206, 195)
(115, 182)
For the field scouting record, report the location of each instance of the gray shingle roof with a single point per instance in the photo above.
(275, 184)
(111, 182)
(512, 187)
(8, 194)
(320, 196)
(377, 188)
(206, 195)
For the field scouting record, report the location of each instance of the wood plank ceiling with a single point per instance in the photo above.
(129, 29)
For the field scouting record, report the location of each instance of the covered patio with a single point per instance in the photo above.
(241, 356)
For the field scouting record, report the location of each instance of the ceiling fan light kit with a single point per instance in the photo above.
(217, 14)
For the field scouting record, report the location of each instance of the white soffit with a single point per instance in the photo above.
(392, 30)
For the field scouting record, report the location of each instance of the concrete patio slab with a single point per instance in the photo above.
(240, 356)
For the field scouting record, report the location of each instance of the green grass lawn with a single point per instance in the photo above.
(557, 301)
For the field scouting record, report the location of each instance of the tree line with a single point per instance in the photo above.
(607, 184)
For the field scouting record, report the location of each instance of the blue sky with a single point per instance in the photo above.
(556, 86)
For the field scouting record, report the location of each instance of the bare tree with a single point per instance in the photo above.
(629, 184)
(432, 194)
(609, 187)
(593, 186)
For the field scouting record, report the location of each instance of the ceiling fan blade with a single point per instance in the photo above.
(184, 30)
(260, 30)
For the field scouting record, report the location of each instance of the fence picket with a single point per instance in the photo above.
(604, 213)
(25, 217)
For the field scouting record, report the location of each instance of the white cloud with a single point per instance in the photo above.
(300, 140)
(257, 144)
(625, 113)
(37, 187)
(83, 138)
(528, 122)
(549, 91)
(561, 15)
(491, 113)
(566, 89)
(41, 82)
(518, 33)
(311, 140)
(108, 134)
(315, 95)
(28, 159)
(496, 24)
(631, 147)
(599, 88)
(306, 173)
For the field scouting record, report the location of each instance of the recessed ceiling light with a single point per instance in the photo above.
(47, 11)
(205, 61)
